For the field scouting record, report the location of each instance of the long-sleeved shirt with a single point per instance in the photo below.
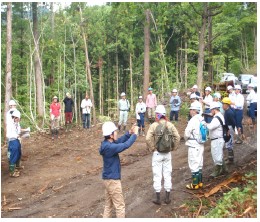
(239, 101)
(215, 127)
(229, 117)
(207, 100)
(123, 105)
(232, 97)
(13, 129)
(150, 136)
(55, 109)
(140, 108)
(110, 151)
(175, 102)
(192, 131)
(151, 101)
(86, 106)
(252, 97)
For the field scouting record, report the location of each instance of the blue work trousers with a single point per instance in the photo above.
(174, 113)
(14, 151)
(239, 118)
(86, 120)
(140, 121)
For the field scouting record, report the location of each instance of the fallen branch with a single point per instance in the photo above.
(14, 208)
(56, 189)
(44, 187)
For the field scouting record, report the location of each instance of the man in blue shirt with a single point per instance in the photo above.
(110, 148)
(175, 102)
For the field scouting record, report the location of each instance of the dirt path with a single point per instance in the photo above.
(63, 178)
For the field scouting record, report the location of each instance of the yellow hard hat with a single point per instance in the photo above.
(226, 100)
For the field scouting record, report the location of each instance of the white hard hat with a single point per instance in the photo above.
(229, 87)
(217, 94)
(194, 106)
(174, 91)
(208, 89)
(68, 94)
(12, 103)
(238, 87)
(193, 96)
(16, 113)
(122, 94)
(140, 97)
(160, 109)
(55, 97)
(195, 87)
(108, 128)
(250, 85)
(214, 105)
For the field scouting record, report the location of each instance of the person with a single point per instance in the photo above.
(217, 98)
(86, 105)
(14, 153)
(217, 141)
(111, 174)
(207, 101)
(12, 107)
(195, 90)
(161, 162)
(140, 110)
(124, 107)
(229, 117)
(151, 103)
(69, 103)
(252, 101)
(175, 102)
(55, 110)
(194, 99)
(231, 94)
(238, 105)
(195, 149)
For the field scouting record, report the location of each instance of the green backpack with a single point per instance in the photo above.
(164, 141)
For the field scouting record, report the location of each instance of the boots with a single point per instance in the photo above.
(57, 133)
(195, 182)
(167, 198)
(200, 179)
(143, 132)
(223, 169)
(124, 129)
(139, 132)
(157, 200)
(230, 156)
(217, 171)
(66, 127)
(18, 165)
(52, 134)
(119, 128)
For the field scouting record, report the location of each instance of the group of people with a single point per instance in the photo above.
(217, 114)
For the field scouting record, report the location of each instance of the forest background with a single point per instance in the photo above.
(118, 47)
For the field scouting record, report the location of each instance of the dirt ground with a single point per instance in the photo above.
(62, 178)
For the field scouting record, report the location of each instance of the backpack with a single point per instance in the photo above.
(226, 133)
(164, 141)
(203, 135)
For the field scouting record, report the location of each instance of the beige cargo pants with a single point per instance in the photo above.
(114, 197)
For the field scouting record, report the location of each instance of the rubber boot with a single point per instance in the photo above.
(52, 134)
(200, 179)
(167, 198)
(230, 156)
(66, 127)
(143, 132)
(57, 133)
(223, 169)
(18, 165)
(157, 200)
(195, 182)
(139, 132)
(217, 171)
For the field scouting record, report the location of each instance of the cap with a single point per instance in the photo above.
(229, 87)
(174, 91)
(150, 89)
(55, 97)
(122, 94)
(12, 103)
(195, 87)
(208, 89)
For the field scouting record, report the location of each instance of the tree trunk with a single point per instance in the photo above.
(100, 64)
(177, 64)
(8, 77)
(88, 71)
(201, 49)
(37, 65)
(181, 64)
(131, 81)
(146, 53)
(210, 51)
(117, 73)
(186, 61)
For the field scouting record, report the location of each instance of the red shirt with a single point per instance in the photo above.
(55, 109)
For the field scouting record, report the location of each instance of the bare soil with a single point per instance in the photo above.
(62, 178)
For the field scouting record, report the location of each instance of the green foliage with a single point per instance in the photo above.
(235, 202)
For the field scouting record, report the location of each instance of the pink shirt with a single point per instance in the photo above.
(55, 109)
(151, 101)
